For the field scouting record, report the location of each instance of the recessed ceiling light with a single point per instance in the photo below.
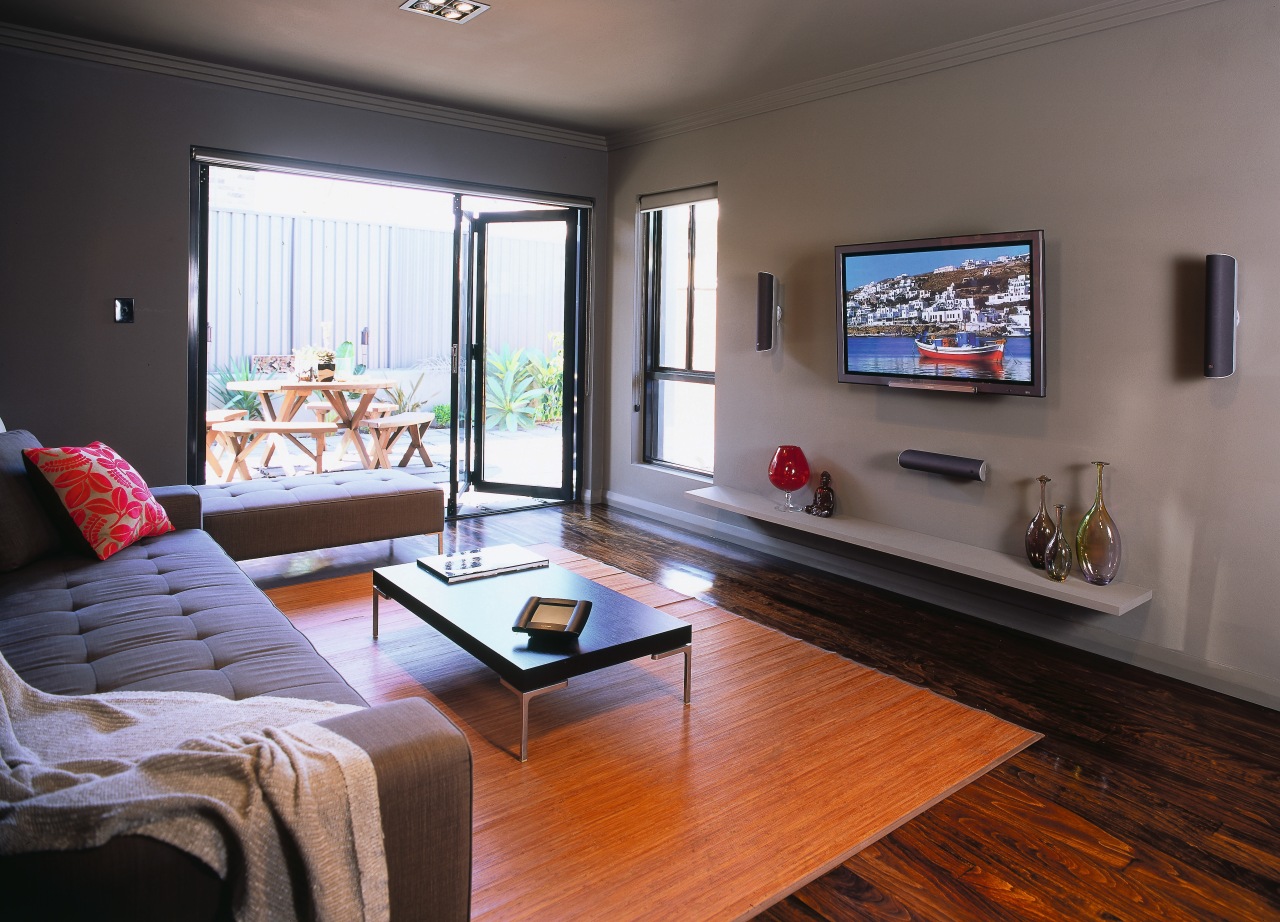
(456, 11)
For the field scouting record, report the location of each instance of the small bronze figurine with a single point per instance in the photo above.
(824, 498)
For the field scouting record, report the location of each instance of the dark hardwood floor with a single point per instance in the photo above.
(1147, 798)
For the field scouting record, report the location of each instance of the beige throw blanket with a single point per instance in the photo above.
(239, 784)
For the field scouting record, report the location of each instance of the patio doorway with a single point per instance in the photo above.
(467, 306)
(525, 445)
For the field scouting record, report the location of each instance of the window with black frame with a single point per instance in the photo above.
(680, 244)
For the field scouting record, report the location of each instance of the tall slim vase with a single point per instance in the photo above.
(1040, 530)
(1098, 540)
(1057, 553)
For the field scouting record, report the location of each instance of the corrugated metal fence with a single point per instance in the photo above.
(274, 279)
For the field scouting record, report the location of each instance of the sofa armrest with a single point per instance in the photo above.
(181, 504)
(423, 765)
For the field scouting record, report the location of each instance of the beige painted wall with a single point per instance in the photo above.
(1137, 150)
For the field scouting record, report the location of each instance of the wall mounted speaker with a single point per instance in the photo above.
(947, 465)
(766, 310)
(1220, 315)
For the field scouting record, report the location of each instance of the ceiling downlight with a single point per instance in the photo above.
(455, 11)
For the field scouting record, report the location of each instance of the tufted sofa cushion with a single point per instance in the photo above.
(169, 613)
(287, 515)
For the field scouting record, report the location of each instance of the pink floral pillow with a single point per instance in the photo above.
(107, 499)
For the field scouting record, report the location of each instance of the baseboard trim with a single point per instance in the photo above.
(1061, 623)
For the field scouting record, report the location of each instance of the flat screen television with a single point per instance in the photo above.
(959, 314)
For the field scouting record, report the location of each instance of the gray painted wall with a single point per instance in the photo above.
(94, 204)
(1138, 150)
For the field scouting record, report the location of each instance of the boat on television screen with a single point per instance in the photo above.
(962, 347)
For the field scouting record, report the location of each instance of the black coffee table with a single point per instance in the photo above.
(477, 616)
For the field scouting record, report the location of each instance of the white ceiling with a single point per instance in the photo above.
(598, 66)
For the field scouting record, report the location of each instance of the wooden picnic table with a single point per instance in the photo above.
(294, 395)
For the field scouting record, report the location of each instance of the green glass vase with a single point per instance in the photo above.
(1057, 553)
(1098, 540)
(1040, 530)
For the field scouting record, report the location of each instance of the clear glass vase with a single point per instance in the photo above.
(1040, 530)
(1098, 540)
(1057, 553)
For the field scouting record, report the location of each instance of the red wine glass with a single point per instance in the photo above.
(789, 471)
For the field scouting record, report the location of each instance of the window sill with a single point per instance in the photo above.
(684, 472)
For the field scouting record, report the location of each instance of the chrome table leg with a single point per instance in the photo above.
(524, 710)
(687, 650)
(376, 596)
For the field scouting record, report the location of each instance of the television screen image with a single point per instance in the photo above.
(945, 313)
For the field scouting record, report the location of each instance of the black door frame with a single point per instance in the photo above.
(198, 310)
(576, 221)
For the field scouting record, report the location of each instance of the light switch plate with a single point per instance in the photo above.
(124, 310)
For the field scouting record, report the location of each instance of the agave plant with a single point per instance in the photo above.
(548, 374)
(510, 395)
(222, 397)
(403, 397)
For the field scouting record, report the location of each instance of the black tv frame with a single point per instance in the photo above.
(1034, 239)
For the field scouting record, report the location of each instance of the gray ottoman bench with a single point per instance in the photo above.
(288, 515)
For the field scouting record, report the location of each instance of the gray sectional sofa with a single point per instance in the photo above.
(262, 518)
(175, 612)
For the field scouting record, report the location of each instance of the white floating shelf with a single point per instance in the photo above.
(982, 563)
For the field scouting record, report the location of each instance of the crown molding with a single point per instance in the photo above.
(239, 78)
(1108, 15)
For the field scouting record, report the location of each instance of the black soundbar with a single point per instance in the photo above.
(948, 465)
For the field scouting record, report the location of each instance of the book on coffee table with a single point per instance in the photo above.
(482, 561)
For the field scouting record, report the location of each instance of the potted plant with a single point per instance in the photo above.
(325, 365)
(304, 362)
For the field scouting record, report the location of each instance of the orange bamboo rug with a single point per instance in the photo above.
(633, 806)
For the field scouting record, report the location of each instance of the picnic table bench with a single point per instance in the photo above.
(246, 434)
(215, 440)
(387, 429)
